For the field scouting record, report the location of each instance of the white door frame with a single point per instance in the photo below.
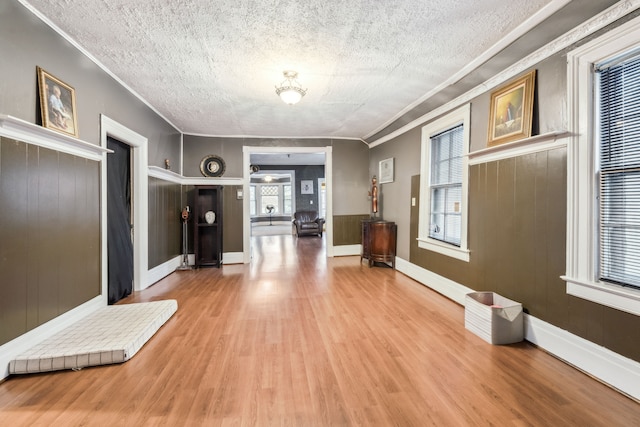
(246, 164)
(320, 205)
(140, 205)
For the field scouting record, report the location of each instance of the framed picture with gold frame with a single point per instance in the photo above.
(511, 111)
(57, 104)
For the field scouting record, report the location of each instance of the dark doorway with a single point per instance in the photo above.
(119, 244)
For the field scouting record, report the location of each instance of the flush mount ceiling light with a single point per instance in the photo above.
(290, 91)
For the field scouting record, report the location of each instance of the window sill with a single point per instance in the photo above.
(444, 249)
(618, 297)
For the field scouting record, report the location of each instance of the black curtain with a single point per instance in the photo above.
(120, 247)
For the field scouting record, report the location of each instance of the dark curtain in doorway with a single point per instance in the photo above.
(120, 247)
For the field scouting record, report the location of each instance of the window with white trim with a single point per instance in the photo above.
(444, 176)
(618, 138)
(277, 195)
(603, 170)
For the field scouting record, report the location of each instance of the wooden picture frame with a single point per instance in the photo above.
(57, 104)
(511, 111)
(385, 171)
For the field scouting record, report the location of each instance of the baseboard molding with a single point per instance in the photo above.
(347, 250)
(163, 270)
(599, 362)
(609, 367)
(232, 258)
(9, 351)
(440, 284)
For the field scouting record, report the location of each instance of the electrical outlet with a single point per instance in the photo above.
(310, 202)
(413, 201)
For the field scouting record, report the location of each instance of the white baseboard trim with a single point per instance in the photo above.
(440, 284)
(347, 250)
(607, 366)
(10, 350)
(163, 270)
(232, 258)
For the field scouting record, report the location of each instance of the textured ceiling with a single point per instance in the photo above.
(210, 67)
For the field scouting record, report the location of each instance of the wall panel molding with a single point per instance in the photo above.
(21, 130)
(534, 144)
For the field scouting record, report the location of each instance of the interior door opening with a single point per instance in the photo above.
(310, 190)
(119, 221)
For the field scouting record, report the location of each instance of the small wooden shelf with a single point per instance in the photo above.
(208, 237)
(13, 127)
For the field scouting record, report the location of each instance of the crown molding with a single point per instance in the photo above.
(569, 38)
(93, 59)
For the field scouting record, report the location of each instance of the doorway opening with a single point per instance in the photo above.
(140, 201)
(119, 221)
(296, 175)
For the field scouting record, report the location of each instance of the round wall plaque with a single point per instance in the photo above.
(212, 165)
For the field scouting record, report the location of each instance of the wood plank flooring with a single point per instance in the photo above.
(295, 339)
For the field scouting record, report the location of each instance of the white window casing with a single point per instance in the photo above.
(582, 203)
(454, 118)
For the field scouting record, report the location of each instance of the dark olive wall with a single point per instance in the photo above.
(165, 225)
(232, 227)
(517, 223)
(26, 42)
(347, 229)
(517, 216)
(49, 235)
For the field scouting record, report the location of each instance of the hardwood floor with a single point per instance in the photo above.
(295, 339)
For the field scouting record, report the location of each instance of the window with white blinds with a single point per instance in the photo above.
(446, 185)
(618, 103)
(603, 159)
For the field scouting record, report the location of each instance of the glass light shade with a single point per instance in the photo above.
(290, 90)
(290, 96)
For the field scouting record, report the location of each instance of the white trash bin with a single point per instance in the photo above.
(494, 318)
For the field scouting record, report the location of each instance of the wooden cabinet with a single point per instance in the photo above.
(379, 242)
(207, 228)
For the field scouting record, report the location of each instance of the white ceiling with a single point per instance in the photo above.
(210, 67)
